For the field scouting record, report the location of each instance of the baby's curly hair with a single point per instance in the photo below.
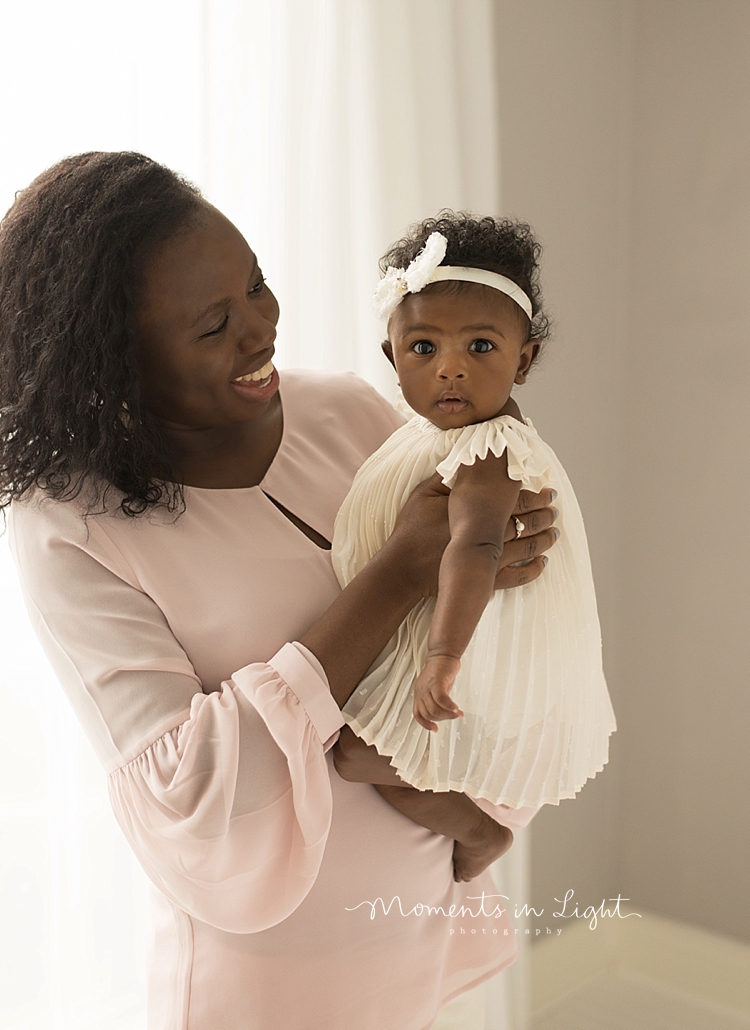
(502, 245)
(72, 247)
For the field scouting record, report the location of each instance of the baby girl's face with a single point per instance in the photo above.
(459, 352)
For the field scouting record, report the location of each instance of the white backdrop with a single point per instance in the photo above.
(322, 128)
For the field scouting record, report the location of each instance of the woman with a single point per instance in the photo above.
(172, 507)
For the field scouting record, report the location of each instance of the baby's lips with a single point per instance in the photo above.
(452, 404)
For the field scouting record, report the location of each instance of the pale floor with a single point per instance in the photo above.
(615, 1001)
(466, 1012)
(625, 1001)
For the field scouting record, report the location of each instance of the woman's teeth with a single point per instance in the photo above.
(262, 377)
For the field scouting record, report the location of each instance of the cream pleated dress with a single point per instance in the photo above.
(537, 714)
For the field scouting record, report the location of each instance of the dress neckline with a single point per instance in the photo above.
(426, 426)
(258, 486)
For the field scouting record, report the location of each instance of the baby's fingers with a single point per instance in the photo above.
(423, 718)
(431, 726)
(430, 708)
(443, 706)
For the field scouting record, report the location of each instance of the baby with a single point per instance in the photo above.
(497, 694)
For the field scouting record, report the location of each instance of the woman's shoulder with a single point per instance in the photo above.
(47, 531)
(42, 517)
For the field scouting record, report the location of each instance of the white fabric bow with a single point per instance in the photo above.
(397, 282)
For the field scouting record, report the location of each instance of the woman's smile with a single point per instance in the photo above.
(258, 385)
(262, 376)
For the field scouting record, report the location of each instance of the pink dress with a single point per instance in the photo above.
(286, 897)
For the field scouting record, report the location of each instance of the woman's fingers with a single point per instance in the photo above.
(525, 547)
(518, 575)
(529, 501)
(530, 532)
(528, 523)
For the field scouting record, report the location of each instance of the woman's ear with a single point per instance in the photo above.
(387, 349)
(529, 353)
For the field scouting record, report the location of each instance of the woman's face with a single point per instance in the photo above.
(206, 323)
(458, 353)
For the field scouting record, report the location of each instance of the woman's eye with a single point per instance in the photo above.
(481, 346)
(423, 347)
(257, 288)
(219, 328)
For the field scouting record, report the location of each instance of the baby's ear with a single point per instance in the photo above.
(387, 349)
(529, 353)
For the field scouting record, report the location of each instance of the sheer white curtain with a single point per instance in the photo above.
(377, 114)
(323, 128)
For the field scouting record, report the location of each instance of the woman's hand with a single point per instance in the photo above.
(421, 535)
(537, 514)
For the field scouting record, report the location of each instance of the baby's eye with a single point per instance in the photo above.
(481, 346)
(423, 347)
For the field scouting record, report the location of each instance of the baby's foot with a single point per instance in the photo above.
(489, 841)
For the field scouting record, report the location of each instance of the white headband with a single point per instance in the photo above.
(426, 268)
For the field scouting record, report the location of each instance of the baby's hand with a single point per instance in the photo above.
(432, 692)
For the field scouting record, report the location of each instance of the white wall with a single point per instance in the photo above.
(624, 129)
(686, 711)
(562, 160)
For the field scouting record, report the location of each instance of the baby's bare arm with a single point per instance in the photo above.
(480, 505)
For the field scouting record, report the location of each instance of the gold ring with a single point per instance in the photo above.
(519, 527)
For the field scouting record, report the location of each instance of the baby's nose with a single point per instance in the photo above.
(450, 370)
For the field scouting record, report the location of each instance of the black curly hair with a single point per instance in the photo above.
(502, 245)
(72, 248)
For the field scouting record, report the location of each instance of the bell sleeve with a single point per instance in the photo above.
(224, 796)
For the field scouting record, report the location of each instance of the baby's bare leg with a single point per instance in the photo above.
(479, 840)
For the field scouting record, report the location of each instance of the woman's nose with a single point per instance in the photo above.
(259, 331)
(255, 341)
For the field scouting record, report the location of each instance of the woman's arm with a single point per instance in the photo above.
(224, 795)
